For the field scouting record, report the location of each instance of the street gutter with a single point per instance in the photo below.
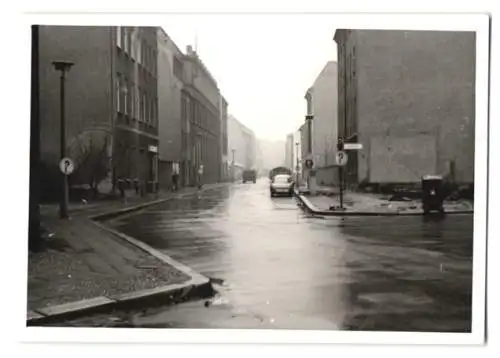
(310, 207)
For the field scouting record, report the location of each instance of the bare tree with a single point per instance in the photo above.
(90, 151)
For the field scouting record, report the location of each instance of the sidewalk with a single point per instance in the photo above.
(83, 260)
(131, 199)
(373, 204)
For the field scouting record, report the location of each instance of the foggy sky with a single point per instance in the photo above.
(263, 63)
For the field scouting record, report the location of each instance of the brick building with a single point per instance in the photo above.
(111, 103)
(409, 98)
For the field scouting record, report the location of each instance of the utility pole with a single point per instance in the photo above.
(34, 200)
(63, 66)
(340, 147)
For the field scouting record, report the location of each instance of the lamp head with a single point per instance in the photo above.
(62, 65)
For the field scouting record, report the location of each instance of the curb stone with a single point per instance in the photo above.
(197, 285)
(171, 293)
(114, 213)
(310, 207)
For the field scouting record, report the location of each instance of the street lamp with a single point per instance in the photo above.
(64, 67)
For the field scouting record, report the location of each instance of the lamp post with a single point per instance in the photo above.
(64, 67)
(309, 119)
(297, 167)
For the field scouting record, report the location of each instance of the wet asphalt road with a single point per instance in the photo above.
(282, 268)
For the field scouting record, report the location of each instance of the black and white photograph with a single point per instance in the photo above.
(322, 176)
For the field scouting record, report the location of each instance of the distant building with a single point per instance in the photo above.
(408, 97)
(273, 153)
(322, 104)
(111, 104)
(297, 154)
(242, 144)
(289, 148)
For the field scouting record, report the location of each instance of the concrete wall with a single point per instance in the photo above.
(409, 84)
(396, 157)
(89, 103)
(425, 87)
(324, 108)
(328, 176)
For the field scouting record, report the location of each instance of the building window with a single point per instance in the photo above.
(144, 107)
(154, 61)
(119, 36)
(132, 46)
(117, 92)
(150, 110)
(156, 112)
(178, 68)
(139, 50)
(132, 101)
(121, 97)
(137, 103)
(143, 50)
(125, 39)
(125, 96)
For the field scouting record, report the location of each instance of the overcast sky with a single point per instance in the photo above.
(263, 63)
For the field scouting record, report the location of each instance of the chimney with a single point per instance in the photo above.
(189, 50)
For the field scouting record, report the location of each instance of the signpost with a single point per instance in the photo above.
(341, 158)
(66, 166)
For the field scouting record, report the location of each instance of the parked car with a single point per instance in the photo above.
(281, 184)
(249, 175)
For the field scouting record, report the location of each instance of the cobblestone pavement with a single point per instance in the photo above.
(280, 268)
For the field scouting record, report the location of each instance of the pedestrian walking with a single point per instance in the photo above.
(200, 175)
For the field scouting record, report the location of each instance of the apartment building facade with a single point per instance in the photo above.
(111, 103)
(172, 149)
(200, 113)
(225, 174)
(409, 98)
(322, 104)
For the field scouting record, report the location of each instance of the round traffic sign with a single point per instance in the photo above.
(341, 158)
(66, 166)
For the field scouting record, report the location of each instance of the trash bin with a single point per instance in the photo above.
(432, 194)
